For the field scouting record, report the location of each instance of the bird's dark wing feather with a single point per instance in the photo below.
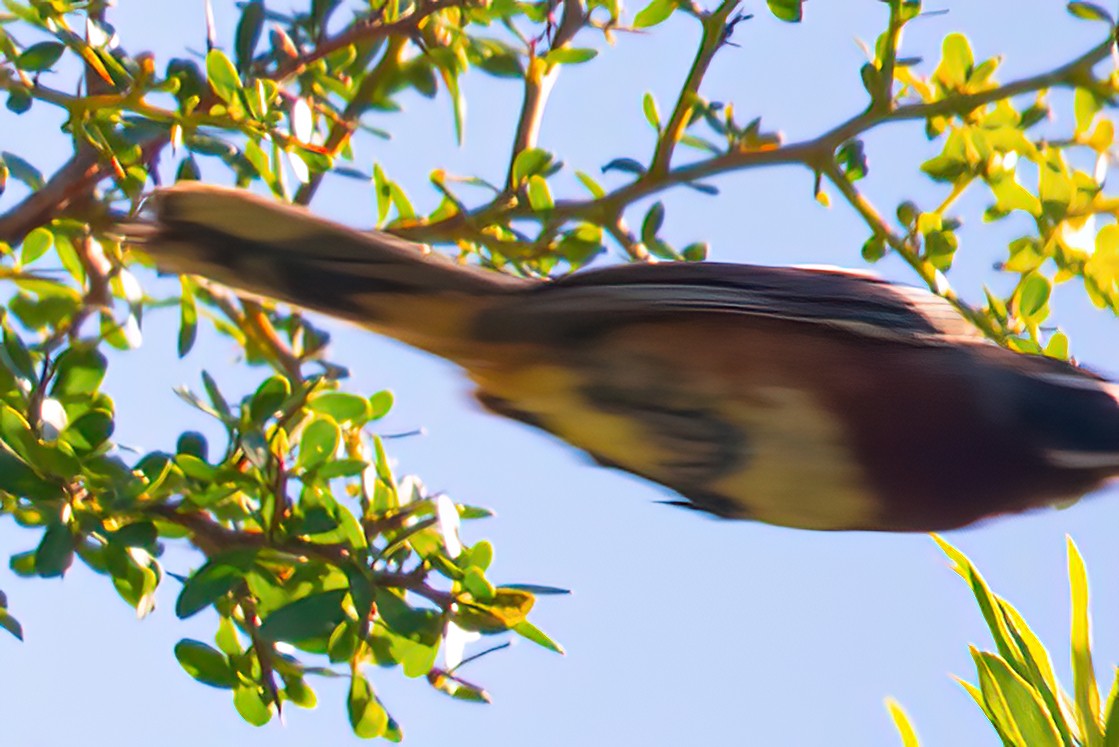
(858, 303)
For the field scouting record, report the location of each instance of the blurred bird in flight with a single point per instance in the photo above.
(809, 398)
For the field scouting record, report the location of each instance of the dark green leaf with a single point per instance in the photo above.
(248, 32)
(19, 100)
(628, 165)
(41, 56)
(90, 430)
(205, 664)
(10, 624)
(194, 444)
(137, 534)
(23, 170)
(269, 398)
(313, 616)
(211, 582)
(188, 314)
(79, 371)
(55, 552)
(651, 226)
(851, 157)
(537, 589)
(18, 357)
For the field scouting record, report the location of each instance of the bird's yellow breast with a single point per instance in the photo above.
(770, 453)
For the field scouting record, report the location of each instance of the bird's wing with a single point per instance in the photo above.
(856, 302)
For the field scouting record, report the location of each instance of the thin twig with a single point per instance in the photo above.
(364, 30)
(814, 153)
(714, 35)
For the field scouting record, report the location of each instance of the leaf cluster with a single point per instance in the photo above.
(316, 560)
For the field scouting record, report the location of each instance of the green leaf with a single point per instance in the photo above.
(205, 664)
(248, 32)
(1083, 674)
(55, 552)
(19, 101)
(570, 56)
(1090, 12)
(592, 186)
(41, 56)
(988, 603)
(36, 244)
(1057, 346)
(10, 624)
(211, 582)
(956, 62)
(193, 443)
(380, 403)
(222, 74)
(851, 157)
(1013, 706)
(299, 692)
(652, 114)
(789, 11)
(342, 406)
(529, 162)
(654, 219)
(269, 398)
(1033, 295)
(653, 13)
(1085, 105)
(313, 616)
(23, 170)
(319, 443)
(90, 430)
(79, 371)
(505, 611)
(475, 582)
(538, 589)
(874, 248)
(188, 314)
(627, 165)
(368, 717)
(530, 632)
(539, 196)
(1111, 715)
(136, 534)
(901, 721)
(18, 357)
(251, 704)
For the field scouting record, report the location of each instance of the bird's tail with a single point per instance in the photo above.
(257, 245)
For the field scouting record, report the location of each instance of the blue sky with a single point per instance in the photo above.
(681, 629)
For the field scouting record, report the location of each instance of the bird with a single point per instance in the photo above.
(813, 398)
